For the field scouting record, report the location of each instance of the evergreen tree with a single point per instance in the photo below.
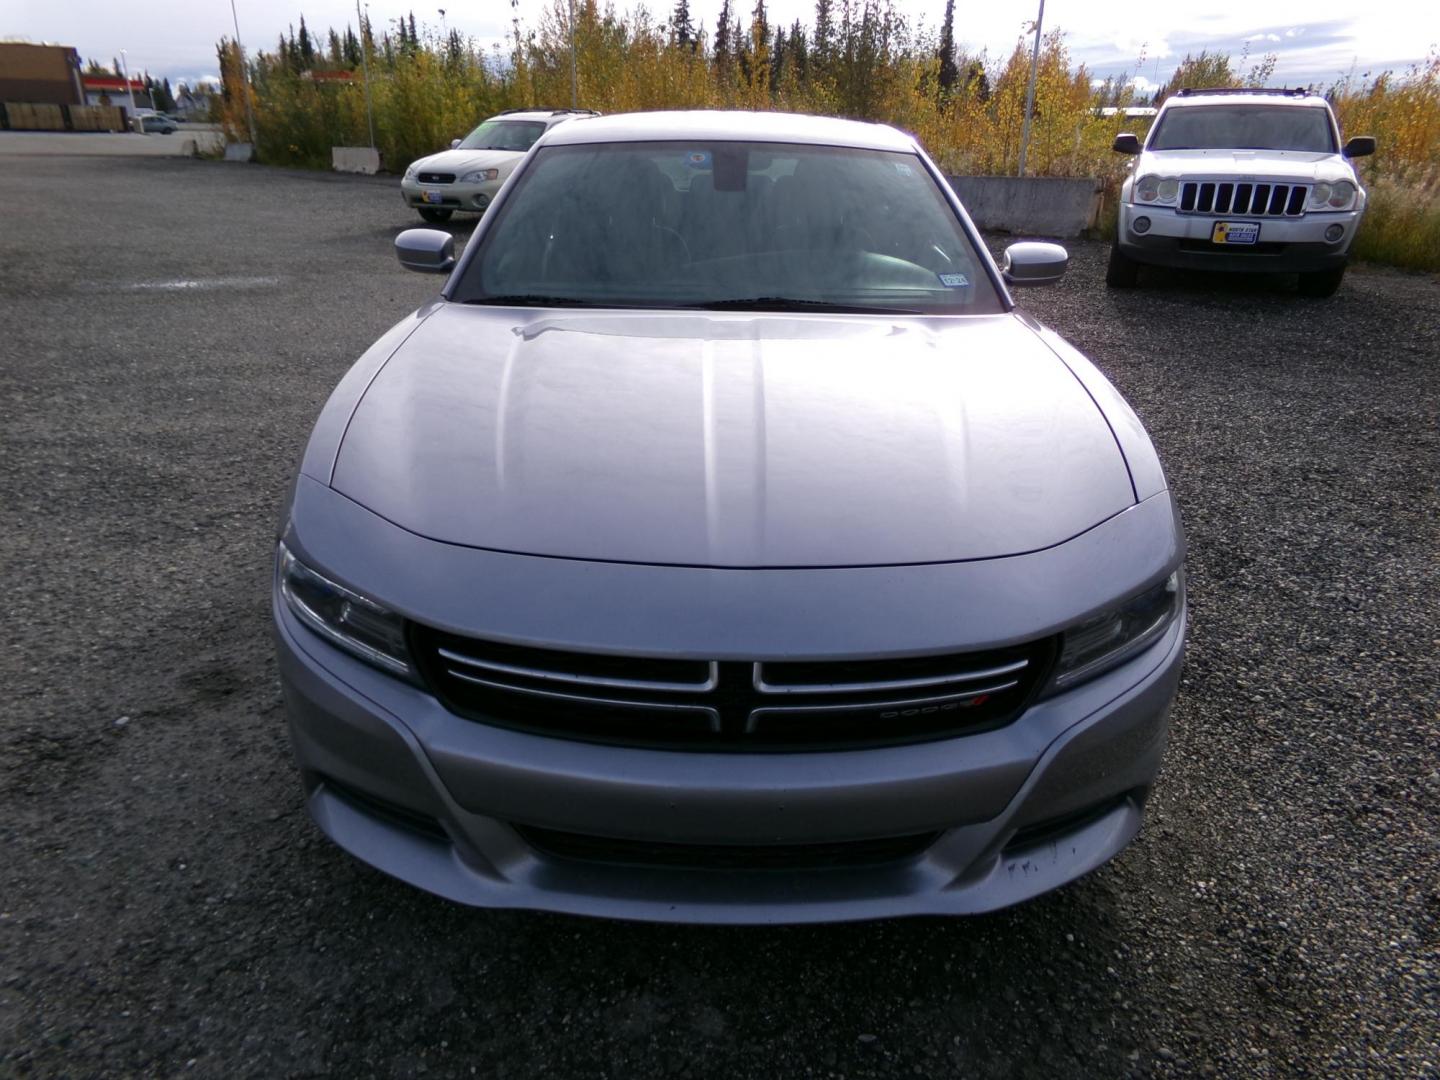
(948, 71)
(682, 27)
(723, 42)
(306, 47)
(824, 30)
(414, 37)
(336, 55)
(351, 48)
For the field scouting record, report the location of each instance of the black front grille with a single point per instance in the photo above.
(834, 855)
(730, 705)
(1245, 199)
(437, 178)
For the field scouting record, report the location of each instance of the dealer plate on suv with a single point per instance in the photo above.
(1235, 232)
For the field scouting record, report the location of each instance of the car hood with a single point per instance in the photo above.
(732, 440)
(458, 161)
(1291, 165)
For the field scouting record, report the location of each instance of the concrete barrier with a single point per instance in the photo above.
(356, 159)
(1038, 205)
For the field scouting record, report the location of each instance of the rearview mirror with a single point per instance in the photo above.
(454, 144)
(426, 251)
(1360, 146)
(1126, 144)
(1033, 263)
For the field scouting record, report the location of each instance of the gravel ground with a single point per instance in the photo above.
(168, 331)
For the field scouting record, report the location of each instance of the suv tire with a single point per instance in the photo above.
(1321, 283)
(435, 217)
(1123, 272)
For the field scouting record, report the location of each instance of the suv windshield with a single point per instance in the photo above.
(764, 226)
(504, 135)
(1244, 127)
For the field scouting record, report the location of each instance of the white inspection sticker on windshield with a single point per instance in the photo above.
(954, 281)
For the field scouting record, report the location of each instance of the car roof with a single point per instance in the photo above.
(733, 126)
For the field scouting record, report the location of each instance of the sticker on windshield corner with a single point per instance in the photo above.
(954, 281)
(903, 169)
(698, 159)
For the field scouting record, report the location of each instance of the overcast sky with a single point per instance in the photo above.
(1317, 40)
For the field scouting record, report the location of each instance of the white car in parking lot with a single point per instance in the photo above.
(467, 176)
(1241, 180)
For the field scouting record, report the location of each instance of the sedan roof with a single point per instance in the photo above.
(730, 126)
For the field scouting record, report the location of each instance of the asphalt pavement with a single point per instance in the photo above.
(168, 331)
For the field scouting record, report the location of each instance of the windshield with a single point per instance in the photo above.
(504, 135)
(1244, 127)
(728, 224)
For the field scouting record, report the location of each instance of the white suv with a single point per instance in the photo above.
(467, 176)
(1243, 180)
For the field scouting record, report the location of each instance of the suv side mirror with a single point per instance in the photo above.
(426, 251)
(1126, 144)
(1360, 146)
(1032, 263)
(454, 144)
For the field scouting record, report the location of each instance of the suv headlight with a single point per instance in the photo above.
(1336, 196)
(342, 616)
(1157, 189)
(477, 176)
(1099, 644)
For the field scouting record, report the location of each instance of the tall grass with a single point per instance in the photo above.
(868, 63)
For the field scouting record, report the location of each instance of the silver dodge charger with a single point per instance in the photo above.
(723, 545)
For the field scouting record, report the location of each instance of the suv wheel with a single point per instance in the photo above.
(1123, 271)
(435, 217)
(1321, 282)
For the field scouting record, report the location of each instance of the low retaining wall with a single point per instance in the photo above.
(356, 159)
(1040, 205)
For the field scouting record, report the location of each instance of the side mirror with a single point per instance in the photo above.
(454, 144)
(1033, 263)
(1360, 146)
(426, 251)
(1126, 144)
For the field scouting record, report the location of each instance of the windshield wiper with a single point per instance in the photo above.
(533, 300)
(795, 303)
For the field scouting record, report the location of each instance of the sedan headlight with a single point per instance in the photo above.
(343, 617)
(1157, 189)
(478, 176)
(411, 170)
(1103, 642)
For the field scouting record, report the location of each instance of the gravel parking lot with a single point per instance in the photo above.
(165, 906)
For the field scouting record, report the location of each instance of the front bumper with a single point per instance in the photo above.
(1285, 245)
(466, 197)
(435, 800)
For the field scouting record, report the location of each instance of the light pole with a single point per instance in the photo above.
(365, 65)
(125, 71)
(244, 78)
(1030, 91)
(574, 80)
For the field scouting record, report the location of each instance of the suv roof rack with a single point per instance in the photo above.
(1285, 91)
(546, 109)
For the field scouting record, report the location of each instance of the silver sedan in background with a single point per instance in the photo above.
(723, 545)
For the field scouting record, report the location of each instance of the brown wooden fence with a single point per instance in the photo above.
(28, 116)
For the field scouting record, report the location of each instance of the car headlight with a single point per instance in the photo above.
(411, 170)
(1341, 195)
(1147, 188)
(1099, 644)
(342, 616)
(478, 176)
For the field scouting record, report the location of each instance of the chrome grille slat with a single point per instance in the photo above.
(1247, 199)
(766, 687)
(591, 699)
(582, 680)
(758, 715)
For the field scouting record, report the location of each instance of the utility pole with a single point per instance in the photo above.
(244, 78)
(1030, 91)
(134, 116)
(574, 80)
(365, 66)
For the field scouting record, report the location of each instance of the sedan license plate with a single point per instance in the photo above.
(433, 197)
(1235, 232)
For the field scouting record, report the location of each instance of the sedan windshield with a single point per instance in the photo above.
(729, 225)
(504, 135)
(1244, 127)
